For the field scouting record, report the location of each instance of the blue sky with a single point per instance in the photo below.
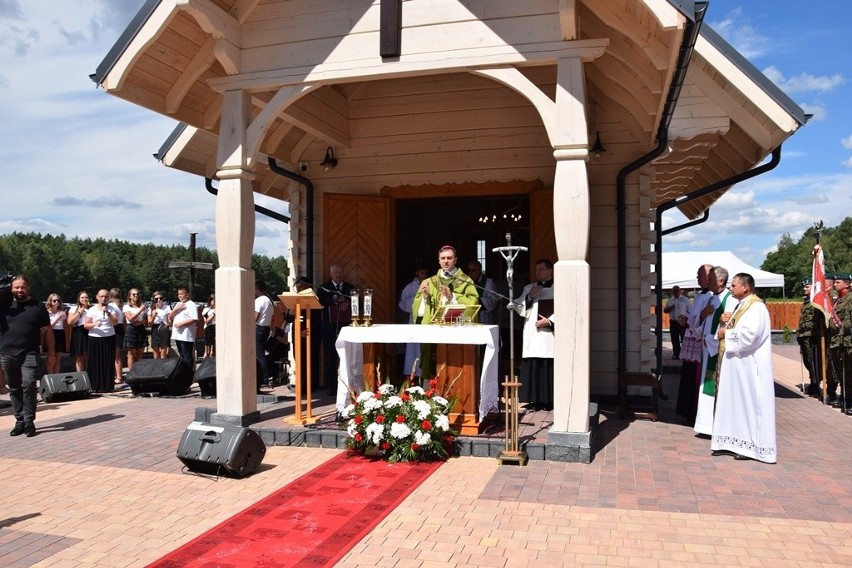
(79, 162)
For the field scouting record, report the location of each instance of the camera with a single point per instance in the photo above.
(6, 287)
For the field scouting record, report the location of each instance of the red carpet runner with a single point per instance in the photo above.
(313, 521)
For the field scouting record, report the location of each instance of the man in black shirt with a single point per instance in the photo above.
(23, 322)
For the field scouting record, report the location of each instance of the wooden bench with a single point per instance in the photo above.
(638, 380)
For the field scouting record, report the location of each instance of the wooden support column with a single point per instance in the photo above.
(236, 401)
(571, 220)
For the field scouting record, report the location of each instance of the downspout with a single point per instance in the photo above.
(658, 223)
(309, 212)
(208, 183)
(687, 46)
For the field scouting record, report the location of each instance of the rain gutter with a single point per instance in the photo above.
(309, 212)
(658, 223)
(687, 46)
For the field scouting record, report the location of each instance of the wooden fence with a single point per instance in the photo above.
(780, 314)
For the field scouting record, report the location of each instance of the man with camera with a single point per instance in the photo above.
(23, 322)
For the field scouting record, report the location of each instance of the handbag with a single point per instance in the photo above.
(690, 349)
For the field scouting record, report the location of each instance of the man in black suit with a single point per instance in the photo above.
(336, 313)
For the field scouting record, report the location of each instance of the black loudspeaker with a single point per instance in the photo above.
(220, 449)
(171, 377)
(64, 386)
(205, 376)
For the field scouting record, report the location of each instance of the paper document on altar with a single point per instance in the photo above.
(456, 313)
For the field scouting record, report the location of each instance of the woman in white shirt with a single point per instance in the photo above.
(158, 319)
(58, 319)
(115, 302)
(100, 321)
(79, 334)
(208, 314)
(135, 320)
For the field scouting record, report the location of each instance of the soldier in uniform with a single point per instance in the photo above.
(804, 336)
(841, 340)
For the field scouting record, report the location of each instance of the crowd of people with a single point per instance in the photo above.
(825, 342)
(727, 389)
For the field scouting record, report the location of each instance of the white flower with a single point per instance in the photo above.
(375, 432)
(440, 400)
(400, 430)
(387, 389)
(372, 404)
(393, 402)
(423, 408)
(347, 412)
(422, 438)
(351, 429)
(364, 396)
(413, 390)
(442, 423)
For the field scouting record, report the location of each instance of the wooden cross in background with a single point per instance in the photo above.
(192, 265)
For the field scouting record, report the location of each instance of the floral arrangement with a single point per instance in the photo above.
(409, 424)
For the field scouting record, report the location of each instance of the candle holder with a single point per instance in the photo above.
(354, 297)
(368, 308)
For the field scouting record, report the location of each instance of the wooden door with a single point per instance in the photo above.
(357, 235)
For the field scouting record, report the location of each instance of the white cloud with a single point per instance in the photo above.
(847, 162)
(847, 142)
(804, 82)
(738, 32)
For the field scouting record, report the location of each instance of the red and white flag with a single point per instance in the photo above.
(819, 294)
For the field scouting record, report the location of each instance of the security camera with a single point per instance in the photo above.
(303, 166)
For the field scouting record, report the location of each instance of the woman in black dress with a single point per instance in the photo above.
(79, 334)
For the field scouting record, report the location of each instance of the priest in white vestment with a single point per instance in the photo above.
(721, 302)
(744, 424)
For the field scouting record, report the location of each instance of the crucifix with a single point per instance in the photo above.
(390, 28)
(192, 265)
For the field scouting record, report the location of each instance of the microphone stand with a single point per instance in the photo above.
(511, 452)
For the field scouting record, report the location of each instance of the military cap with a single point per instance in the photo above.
(806, 282)
(830, 276)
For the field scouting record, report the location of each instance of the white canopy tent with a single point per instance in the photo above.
(680, 268)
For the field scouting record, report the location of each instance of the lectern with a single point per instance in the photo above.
(304, 300)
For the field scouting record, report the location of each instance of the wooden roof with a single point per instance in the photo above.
(178, 57)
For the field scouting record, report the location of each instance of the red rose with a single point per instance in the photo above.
(385, 446)
(400, 419)
(426, 425)
(358, 419)
(415, 447)
(430, 393)
(433, 383)
(377, 395)
(379, 419)
(358, 437)
(405, 397)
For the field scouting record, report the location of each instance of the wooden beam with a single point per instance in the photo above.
(228, 55)
(196, 68)
(242, 9)
(390, 28)
(213, 20)
(422, 64)
(568, 19)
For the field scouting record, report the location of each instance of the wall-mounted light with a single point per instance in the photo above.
(330, 162)
(597, 147)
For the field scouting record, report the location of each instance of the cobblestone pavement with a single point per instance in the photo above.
(100, 486)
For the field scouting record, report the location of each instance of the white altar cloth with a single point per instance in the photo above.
(350, 342)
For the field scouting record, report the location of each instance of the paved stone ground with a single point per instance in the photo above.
(101, 486)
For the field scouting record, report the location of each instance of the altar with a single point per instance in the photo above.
(350, 348)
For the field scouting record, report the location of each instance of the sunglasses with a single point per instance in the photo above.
(54, 301)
